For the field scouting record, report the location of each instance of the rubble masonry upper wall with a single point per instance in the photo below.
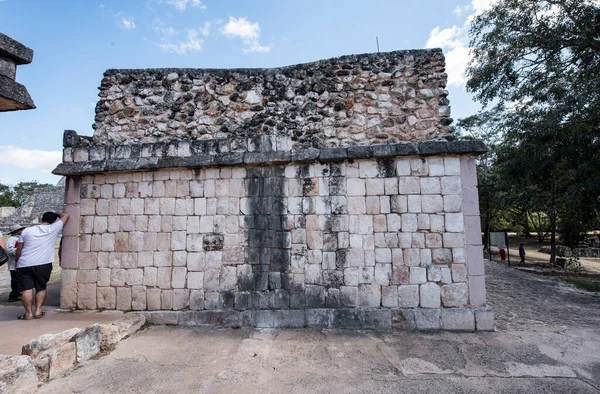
(351, 100)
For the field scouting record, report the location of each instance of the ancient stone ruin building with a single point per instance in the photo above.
(43, 199)
(327, 194)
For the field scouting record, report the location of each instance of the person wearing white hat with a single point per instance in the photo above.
(11, 248)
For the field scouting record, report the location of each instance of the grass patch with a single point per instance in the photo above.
(584, 284)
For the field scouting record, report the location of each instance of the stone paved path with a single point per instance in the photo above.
(523, 300)
(548, 341)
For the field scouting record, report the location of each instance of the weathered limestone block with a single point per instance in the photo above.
(138, 298)
(408, 296)
(52, 354)
(455, 295)
(18, 375)
(153, 299)
(458, 319)
(115, 332)
(427, 319)
(418, 275)
(88, 342)
(484, 319)
(123, 298)
(429, 295)
(86, 295)
(403, 319)
(459, 273)
(389, 296)
(106, 298)
(369, 296)
(68, 288)
(181, 299)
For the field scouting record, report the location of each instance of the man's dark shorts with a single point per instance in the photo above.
(34, 277)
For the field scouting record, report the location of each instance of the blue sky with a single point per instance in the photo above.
(75, 41)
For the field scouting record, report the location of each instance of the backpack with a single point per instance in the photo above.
(3, 257)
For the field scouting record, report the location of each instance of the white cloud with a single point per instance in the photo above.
(455, 41)
(457, 60)
(192, 41)
(123, 21)
(162, 29)
(29, 159)
(167, 31)
(127, 23)
(458, 11)
(191, 44)
(247, 31)
(442, 38)
(480, 6)
(241, 28)
(205, 30)
(181, 5)
(256, 47)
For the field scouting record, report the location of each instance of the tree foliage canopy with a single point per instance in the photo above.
(536, 67)
(542, 56)
(15, 196)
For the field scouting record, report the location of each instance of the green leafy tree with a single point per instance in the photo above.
(491, 195)
(23, 190)
(15, 196)
(6, 196)
(536, 63)
(542, 54)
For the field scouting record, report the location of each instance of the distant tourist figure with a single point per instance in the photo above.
(2, 245)
(11, 248)
(522, 254)
(502, 250)
(35, 256)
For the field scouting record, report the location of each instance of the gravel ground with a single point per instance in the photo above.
(548, 341)
(522, 300)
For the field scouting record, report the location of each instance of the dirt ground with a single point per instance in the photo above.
(532, 245)
(547, 341)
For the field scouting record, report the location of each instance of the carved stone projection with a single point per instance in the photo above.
(13, 95)
(327, 194)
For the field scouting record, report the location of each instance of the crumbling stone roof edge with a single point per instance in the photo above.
(13, 49)
(429, 52)
(15, 94)
(137, 163)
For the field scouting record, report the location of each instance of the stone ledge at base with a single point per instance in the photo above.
(51, 355)
(452, 319)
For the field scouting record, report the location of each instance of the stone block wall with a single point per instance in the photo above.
(328, 194)
(396, 232)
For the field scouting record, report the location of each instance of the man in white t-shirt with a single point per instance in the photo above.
(35, 255)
